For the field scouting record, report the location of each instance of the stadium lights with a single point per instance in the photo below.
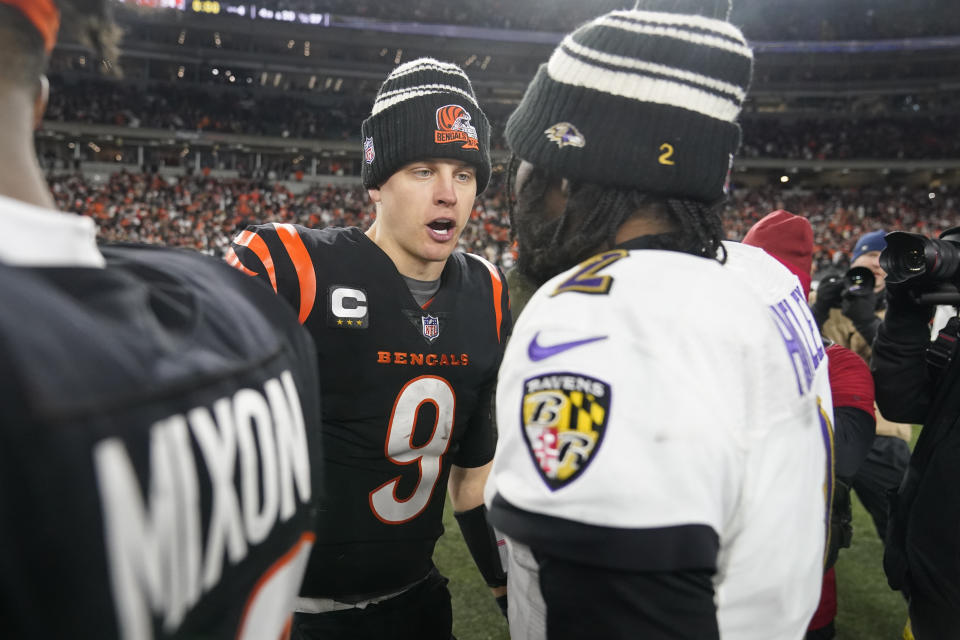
(216, 39)
(180, 72)
(396, 59)
(486, 61)
(183, 37)
(931, 195)
(291, 44)
(784, 179)
(306, 48)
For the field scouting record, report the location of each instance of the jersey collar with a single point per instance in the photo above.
(38, 237)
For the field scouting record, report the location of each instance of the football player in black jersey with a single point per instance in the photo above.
(159, 426)
(409, 337)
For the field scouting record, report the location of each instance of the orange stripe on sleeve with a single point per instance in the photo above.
(256, 244)
(497, 292)
(306, 274)
(231, 258)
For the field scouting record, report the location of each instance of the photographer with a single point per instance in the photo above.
(916, 381)
(849, 310)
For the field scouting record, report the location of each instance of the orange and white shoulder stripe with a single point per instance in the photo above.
(299, 256)
(497, 283)
(256, 244)
(303, 264)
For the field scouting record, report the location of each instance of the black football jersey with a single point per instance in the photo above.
(159, 451)
(406, 391)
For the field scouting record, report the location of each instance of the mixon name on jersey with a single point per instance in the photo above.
(160, 560)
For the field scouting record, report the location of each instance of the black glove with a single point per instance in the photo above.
(502, 603)
(841, 522)
(860, 306)
(904, 313)
(829, 296)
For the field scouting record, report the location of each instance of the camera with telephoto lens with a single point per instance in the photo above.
(859, 281)
(929, 268)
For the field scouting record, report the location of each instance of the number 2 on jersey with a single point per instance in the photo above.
(386, 504)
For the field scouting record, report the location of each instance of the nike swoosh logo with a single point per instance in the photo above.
(538, 352)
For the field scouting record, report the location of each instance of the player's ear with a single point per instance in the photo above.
(40, 102)
(374, 195)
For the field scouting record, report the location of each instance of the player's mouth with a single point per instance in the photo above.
(441, 229)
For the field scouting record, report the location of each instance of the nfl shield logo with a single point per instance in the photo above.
(368, 153)
(431, 327)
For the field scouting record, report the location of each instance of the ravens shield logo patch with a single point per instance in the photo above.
(564, 418)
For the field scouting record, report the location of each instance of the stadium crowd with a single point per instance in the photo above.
(844, 139)
(204, 213)
(190, 108)
(194, 109)
(760, 19)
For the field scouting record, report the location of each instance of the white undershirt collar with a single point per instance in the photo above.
(38, 237)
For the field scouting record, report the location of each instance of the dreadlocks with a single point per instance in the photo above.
(591, 219)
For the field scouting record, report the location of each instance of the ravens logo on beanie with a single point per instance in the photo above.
(645, 98)
(425, 109)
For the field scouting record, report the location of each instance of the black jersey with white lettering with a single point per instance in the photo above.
(405, 393)
(159, 451)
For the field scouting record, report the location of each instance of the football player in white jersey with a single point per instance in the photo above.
(662, 464)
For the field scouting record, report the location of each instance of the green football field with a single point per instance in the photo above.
(868, 609)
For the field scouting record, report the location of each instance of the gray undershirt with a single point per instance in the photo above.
(422, 290)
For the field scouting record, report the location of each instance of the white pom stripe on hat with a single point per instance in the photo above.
(720, 27)
(391, 98)
(632, 64)
(566, 69)
(432, 64)
(675, 30)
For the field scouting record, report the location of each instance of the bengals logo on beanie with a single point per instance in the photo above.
(453, 125)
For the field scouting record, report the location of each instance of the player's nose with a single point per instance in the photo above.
(444, 191)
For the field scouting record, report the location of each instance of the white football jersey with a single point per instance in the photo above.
(646, 390)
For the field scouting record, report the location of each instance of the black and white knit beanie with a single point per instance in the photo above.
(645, 98)
(425, 109)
